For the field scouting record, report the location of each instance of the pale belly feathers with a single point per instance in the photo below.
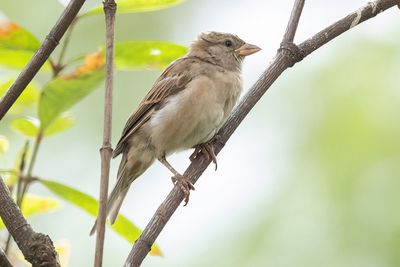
(194, 115)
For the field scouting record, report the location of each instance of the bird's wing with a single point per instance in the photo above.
(174, 79)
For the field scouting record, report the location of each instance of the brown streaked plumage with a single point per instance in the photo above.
(186, 106)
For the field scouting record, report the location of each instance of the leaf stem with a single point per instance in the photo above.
(26, 183)
(60, 65)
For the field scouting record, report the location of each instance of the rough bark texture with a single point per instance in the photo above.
(288, 54)
(37, 248)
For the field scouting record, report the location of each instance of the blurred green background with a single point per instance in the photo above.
(310, 178)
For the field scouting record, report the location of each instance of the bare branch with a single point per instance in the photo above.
(288, 54)
(37, 248)
(40, 57)
(362, 14)
(110, 8)
(293, 21)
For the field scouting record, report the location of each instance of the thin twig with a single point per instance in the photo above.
(59, 66)
(25, 182)
(37, 248)
(19, 173)
(287, 56)
(110, 8)
(293, 21)
(40, 57)
(66, 41)
(4, 261)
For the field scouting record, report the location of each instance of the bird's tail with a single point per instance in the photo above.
(114, 202)
(127, 173)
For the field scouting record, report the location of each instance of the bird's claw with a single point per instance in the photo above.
(184, 184)
(206, 149)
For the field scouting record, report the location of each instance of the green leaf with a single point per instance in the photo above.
(14, 37)
(33, 205)
(30, 126)
(28, 97)
(146, 54)
(14, 59)
(122, 226)
(130, 232)
(59, 125)
(66, 90)
(4, 144)
(74, 196)
(133, 6)
(27, 126)
(18, 59)
(17, 45)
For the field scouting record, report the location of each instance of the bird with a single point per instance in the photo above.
(186, 106)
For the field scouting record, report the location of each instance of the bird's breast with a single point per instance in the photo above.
(193, 115)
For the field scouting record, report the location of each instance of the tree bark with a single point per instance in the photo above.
(37, 248)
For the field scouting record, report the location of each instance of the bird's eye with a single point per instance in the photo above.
(228, 43)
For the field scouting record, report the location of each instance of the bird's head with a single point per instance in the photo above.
(224, 49)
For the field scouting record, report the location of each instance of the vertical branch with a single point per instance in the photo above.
(110, 8)
(37, 248)
(40, 57)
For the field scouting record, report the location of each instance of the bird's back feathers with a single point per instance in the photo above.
(174, 79)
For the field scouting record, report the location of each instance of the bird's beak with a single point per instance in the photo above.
(247, 49)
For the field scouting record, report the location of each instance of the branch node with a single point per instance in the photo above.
(42, 252)
(52, 40)
(107, 148)
(110, 5)
(292, 52)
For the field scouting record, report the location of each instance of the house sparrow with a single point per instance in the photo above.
(186, 106)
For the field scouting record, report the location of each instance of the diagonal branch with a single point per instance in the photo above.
(110, 8)
(288, 54)
(40, 57)
(293, 21)
(37, 248)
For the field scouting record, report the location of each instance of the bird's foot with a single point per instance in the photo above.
(184, 184)
(206, 149)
